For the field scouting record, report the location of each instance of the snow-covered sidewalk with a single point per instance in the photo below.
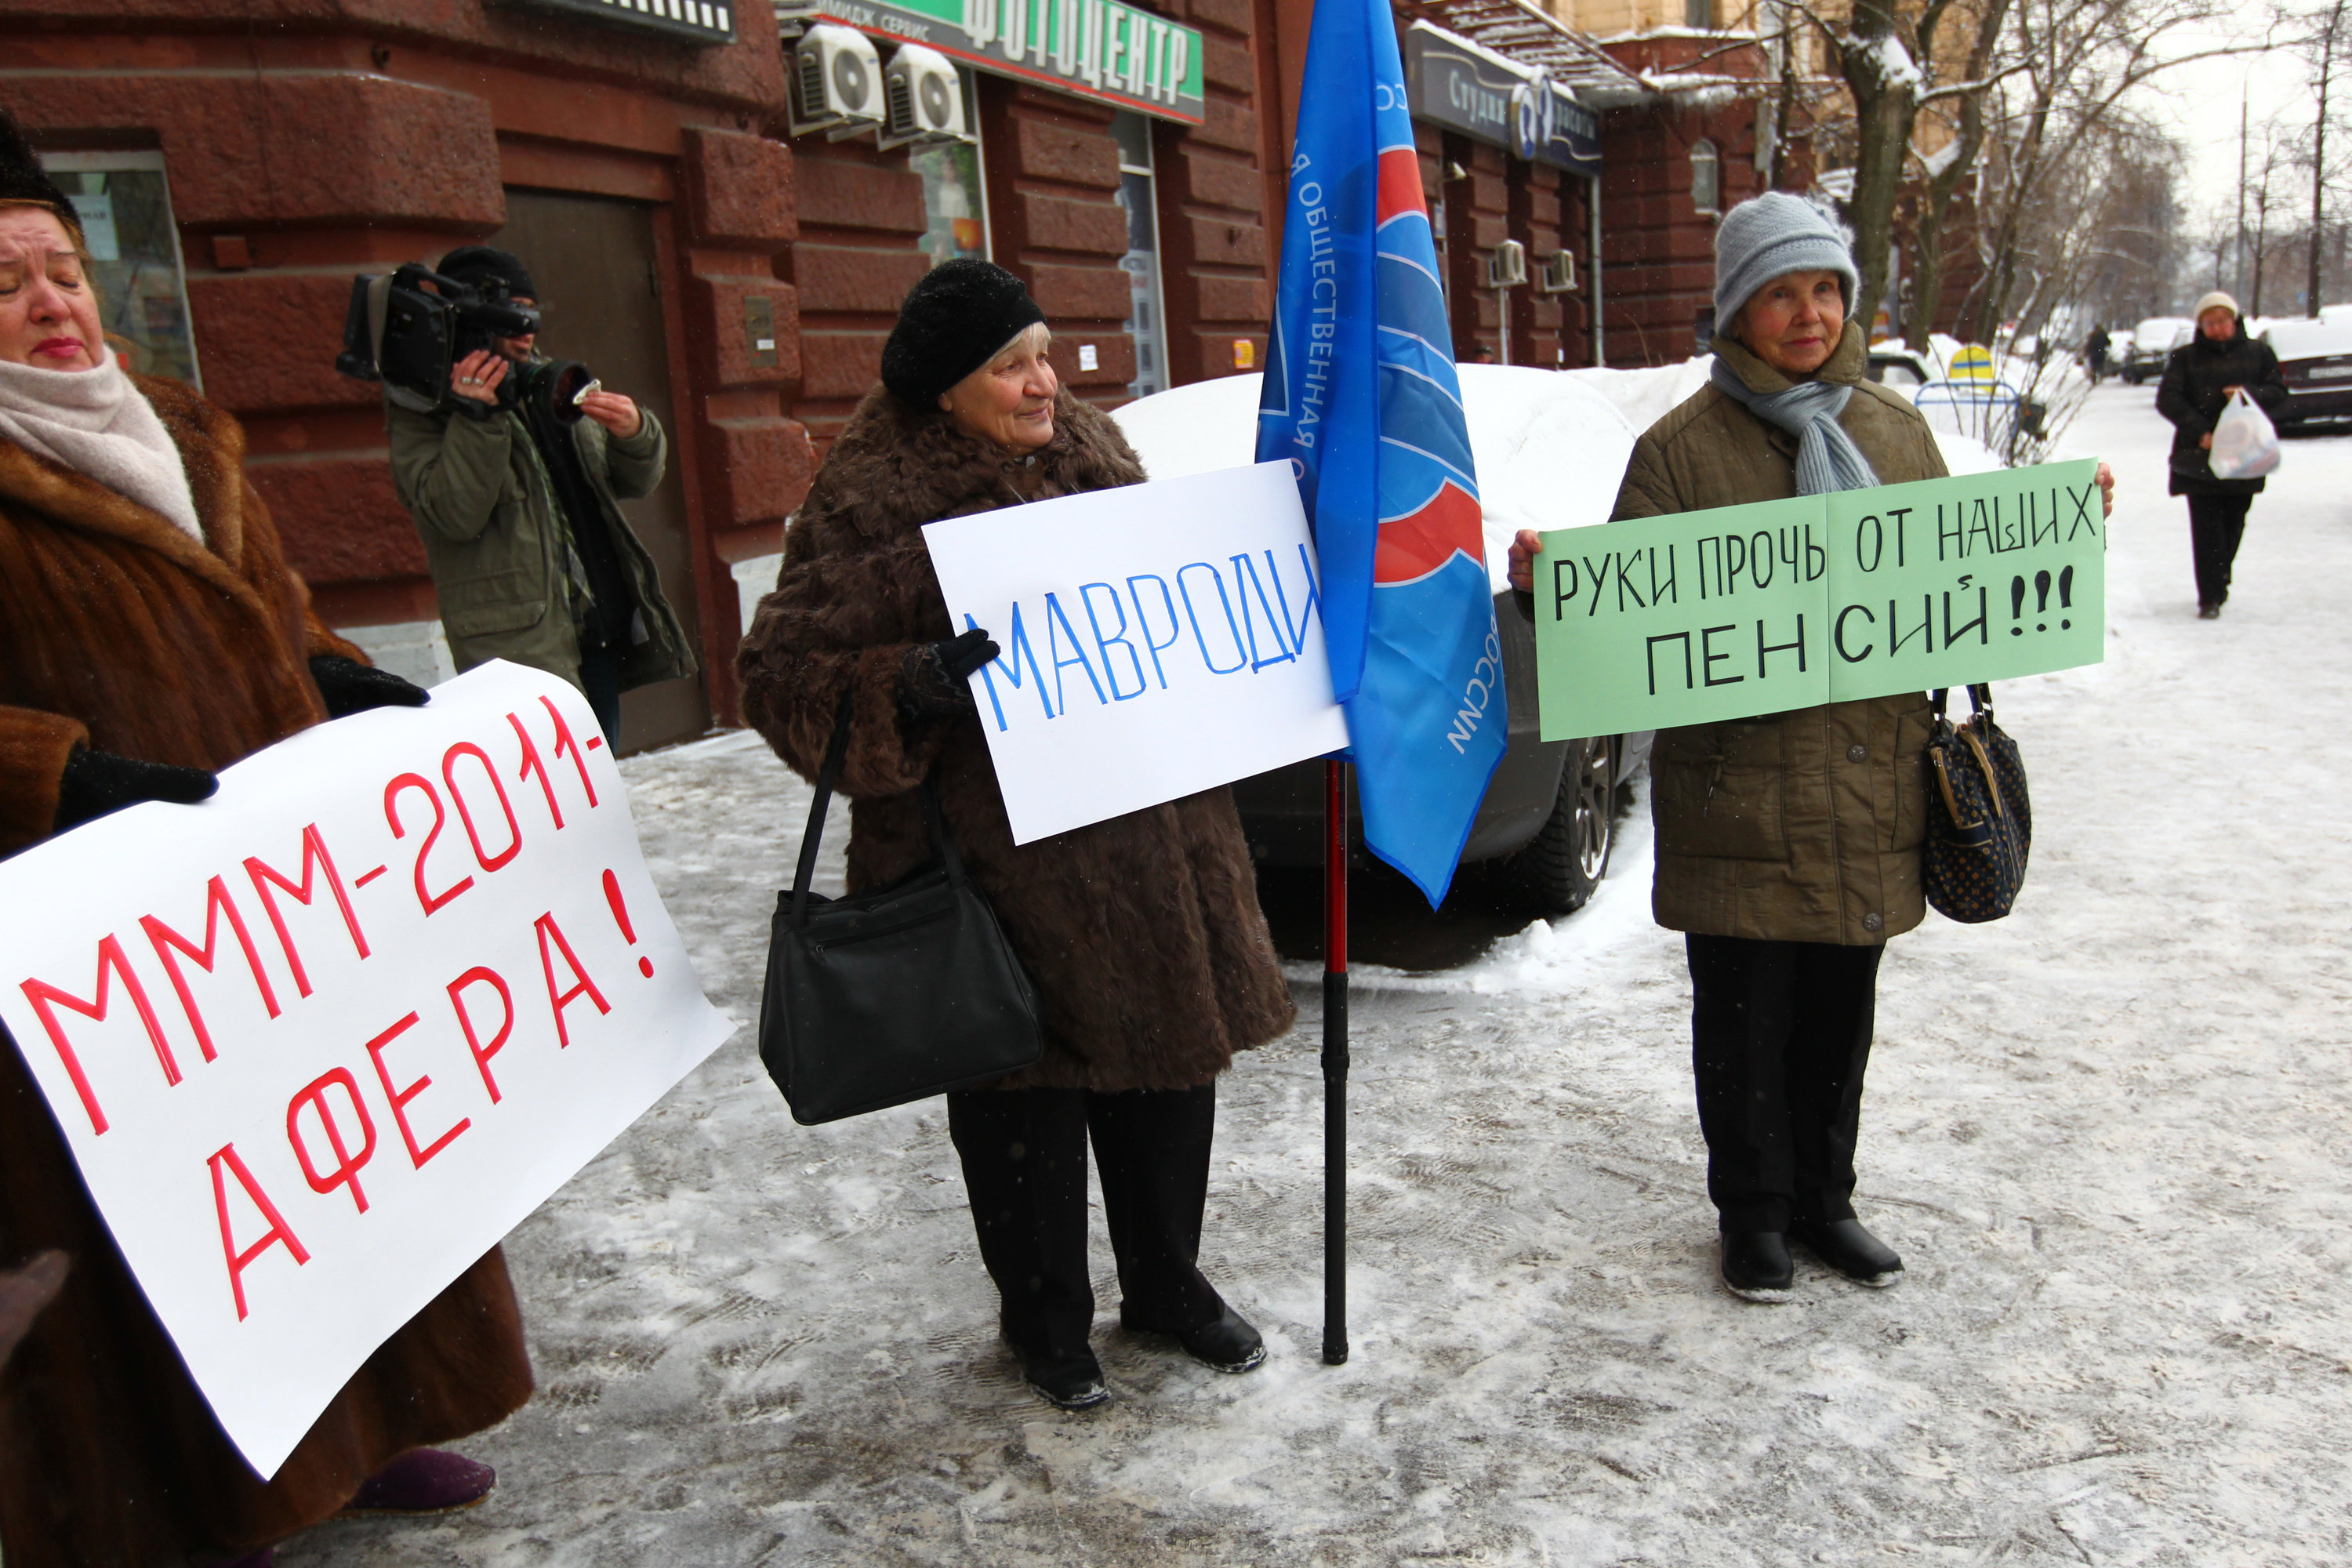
(2112, 1136)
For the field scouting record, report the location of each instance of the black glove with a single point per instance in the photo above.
(350, 687)
(931, 685)
(96, 783)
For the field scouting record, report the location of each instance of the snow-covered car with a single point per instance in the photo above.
(1550, 449)
(1893, 364)
(2151, 344)
(2316, 359)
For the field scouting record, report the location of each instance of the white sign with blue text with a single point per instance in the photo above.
(1157, 640)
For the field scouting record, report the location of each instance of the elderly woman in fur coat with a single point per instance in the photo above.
(1143, 934)
(151, 632)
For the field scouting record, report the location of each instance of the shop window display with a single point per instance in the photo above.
(126, 216)
(1141, 263)
(956, 211)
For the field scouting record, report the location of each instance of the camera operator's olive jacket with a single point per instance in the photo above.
(500, 552)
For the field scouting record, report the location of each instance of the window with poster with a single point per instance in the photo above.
(125, 208)
(954, 205)
(1141, 263)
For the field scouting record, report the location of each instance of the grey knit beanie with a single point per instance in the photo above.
(1775, 234)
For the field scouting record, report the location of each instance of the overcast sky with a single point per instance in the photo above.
(2201, 101)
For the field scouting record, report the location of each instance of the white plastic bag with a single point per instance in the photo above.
(2245, 446)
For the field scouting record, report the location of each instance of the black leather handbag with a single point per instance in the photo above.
(1980, 820)
(892, 995)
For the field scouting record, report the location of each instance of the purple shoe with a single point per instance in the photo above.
(422, 1481)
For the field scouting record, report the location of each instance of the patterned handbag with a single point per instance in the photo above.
(1980, 820)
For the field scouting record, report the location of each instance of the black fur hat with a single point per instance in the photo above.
(22, 178)
(480, 263)
(953, 323)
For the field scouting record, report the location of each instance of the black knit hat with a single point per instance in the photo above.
(953, 323)
(480, 263)
(22, 178)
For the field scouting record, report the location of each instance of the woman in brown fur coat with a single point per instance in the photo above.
(150, 634)
(1143, 934)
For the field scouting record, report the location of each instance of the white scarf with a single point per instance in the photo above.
(99, 425)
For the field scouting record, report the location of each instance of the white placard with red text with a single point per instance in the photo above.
(319, 1043)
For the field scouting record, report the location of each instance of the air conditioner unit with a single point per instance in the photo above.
(922, 99)
(836, 82)
(1508, 266)
(1559, 275)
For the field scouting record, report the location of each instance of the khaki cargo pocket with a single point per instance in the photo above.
(1719, 791)
(494, 602)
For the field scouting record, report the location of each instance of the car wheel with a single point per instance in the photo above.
(1555, 872)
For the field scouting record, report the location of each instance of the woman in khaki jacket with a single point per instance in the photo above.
(1789, 844)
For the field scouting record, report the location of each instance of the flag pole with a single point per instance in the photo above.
(1335, 1063)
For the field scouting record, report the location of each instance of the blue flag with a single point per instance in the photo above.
(1361, 398)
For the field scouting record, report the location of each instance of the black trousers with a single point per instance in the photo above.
(1779, 1039)
(600, 682)
(2217, 522)
(1025, 1165)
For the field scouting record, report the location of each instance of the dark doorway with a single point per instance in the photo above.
(599, 286)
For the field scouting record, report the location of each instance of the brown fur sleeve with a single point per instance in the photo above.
(320, 640)
(34, 747)
(830, 627)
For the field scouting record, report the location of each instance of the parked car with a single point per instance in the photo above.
(2151, 344)
(2315, 360)
(1549, 452)
(1893, 364)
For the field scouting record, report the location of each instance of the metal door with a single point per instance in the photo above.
(594, 261)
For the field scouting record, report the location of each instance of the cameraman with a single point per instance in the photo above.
(530, 556)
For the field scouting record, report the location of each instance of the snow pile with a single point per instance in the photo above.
(1550, 448)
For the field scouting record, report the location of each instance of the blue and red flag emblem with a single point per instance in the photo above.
(1361, 398)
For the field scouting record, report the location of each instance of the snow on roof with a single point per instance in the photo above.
(1937, 162)
(1528, 36)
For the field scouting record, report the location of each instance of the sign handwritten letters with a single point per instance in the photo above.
(1707, 616)
(1157, 640)
(319, 1043)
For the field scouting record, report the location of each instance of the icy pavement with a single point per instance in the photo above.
(2110, 1134)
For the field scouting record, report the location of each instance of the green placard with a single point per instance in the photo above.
(1705, 616)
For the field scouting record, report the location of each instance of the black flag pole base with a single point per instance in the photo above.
(1335, 1064)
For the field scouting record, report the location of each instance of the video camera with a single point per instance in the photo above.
(406, 329)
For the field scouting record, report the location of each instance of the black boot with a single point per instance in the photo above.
(1228, 1345)
(1852, 1251)
(1072, 1381)
(1756, 1266)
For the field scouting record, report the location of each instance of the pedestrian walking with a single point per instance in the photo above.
(1151, 960)
(2095, 352)
(150, 634)
(2200, 378)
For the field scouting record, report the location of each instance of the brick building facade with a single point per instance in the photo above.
(739, 276)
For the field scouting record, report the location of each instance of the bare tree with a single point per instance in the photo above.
(2072, 64)
(2329, 42)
